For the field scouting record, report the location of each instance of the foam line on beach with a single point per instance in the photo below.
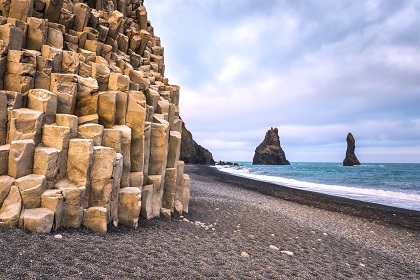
(390, 198)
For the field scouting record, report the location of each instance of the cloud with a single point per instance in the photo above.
(315, 69)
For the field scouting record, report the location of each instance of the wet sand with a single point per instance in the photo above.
(330, 238)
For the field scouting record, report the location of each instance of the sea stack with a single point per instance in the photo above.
(351, 158)
(269, 152)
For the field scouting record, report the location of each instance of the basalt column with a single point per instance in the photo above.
(90, 129)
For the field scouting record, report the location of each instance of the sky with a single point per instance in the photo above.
(315, 69)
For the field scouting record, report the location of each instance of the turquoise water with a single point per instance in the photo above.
(392, 184)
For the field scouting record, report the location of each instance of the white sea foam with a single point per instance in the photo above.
(391, 198)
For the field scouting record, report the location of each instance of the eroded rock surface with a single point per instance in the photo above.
(193, 153)
(269, 152)
(350, 159)
(89, 125)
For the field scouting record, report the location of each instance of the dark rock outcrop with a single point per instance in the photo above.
(193, 153)
(269, 152)
(351, 158)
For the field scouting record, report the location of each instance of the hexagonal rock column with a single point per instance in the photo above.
(74, 201)
(47, 163)
(45, 101)
(186, 193)
(21, 9)
(21, 158)
(179, 187)
(3, 118)
(79, 161)
(129, 206)
(6, 182)
(53, 9)
(146, 151)
(57, 137)
(156, 195)
(38, 220)
(87, 96)
(173, 149)
(26, 124)
(54, 200)
(4, 159)
(116, 175)
(135, 119)
(168, 198)
(11, 35)
(158, 154)
(37, 33)
(125, 151)
(31, 188)
(95, 218)
(91, 131)
(107, 108)
(65, 87)
(100, 177)
(10, 210)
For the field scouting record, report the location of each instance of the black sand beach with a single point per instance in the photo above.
(330, 238)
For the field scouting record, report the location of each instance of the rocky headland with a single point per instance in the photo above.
(350, 159)
(193, 153)
(269, 152)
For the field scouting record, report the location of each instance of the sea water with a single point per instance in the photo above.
(389, 184)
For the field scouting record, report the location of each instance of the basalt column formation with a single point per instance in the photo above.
(90, 131)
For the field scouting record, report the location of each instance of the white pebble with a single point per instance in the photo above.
(58, 236)
(244, 254)
(287, 253)
(272, 247)
(362, 265)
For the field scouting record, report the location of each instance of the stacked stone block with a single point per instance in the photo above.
(90, 130)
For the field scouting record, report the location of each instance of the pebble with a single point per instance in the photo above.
(272, 234)
(244, 254)
(272, 247)
(251, 236)
(287, 253)
(185, 220)
(325, 234)
(362, 265)
(58, 236)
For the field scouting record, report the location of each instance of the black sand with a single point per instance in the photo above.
(330, 238)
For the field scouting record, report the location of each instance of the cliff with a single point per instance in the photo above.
(90, 132)
(193, 153)
(350, 159)
(269, 152)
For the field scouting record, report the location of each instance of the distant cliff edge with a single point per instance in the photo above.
(193, 153)
(269, 152)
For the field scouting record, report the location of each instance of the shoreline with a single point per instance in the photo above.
(406, 218)
(232, 231)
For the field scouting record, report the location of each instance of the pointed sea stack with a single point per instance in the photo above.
(269, 152)
(351, 158)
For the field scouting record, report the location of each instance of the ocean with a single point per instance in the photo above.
(392, 184)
